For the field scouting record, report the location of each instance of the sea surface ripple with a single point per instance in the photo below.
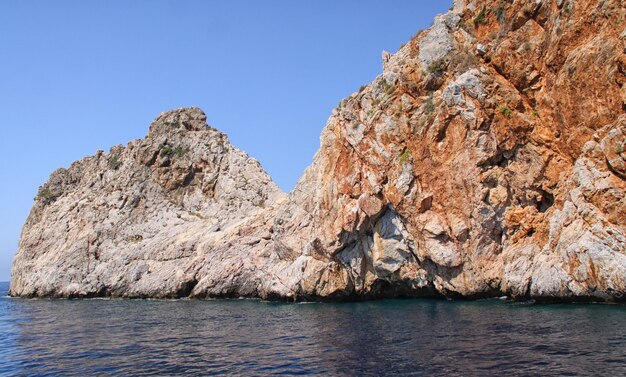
(242, 337)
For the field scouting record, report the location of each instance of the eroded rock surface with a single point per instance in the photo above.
(140, 220)
(488, 159)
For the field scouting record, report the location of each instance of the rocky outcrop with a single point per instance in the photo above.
(488, 159)
(141, 220)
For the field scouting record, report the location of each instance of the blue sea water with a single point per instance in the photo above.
(242, 337)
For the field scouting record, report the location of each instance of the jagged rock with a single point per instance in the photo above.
(134, 222)
(438, 43)
(449, 175)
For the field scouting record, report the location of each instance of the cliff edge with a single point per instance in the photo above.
(488, 159)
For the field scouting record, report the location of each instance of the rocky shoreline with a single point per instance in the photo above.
(487, 160)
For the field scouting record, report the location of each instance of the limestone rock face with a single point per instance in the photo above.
(488, 159)
(485, 160)
(137, 221)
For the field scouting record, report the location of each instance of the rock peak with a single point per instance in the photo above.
(184, 118)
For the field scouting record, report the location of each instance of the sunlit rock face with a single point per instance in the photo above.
(146, 220)
(488, 159)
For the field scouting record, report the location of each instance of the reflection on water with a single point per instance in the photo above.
(419, 337)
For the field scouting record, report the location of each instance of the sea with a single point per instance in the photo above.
(419, 337)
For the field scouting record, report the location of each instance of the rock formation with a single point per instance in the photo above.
(140, 220)
(488, 159)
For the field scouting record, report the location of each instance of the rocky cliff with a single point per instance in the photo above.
(141, 220)
(488, 159)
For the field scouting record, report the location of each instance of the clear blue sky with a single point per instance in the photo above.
(78, 76)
